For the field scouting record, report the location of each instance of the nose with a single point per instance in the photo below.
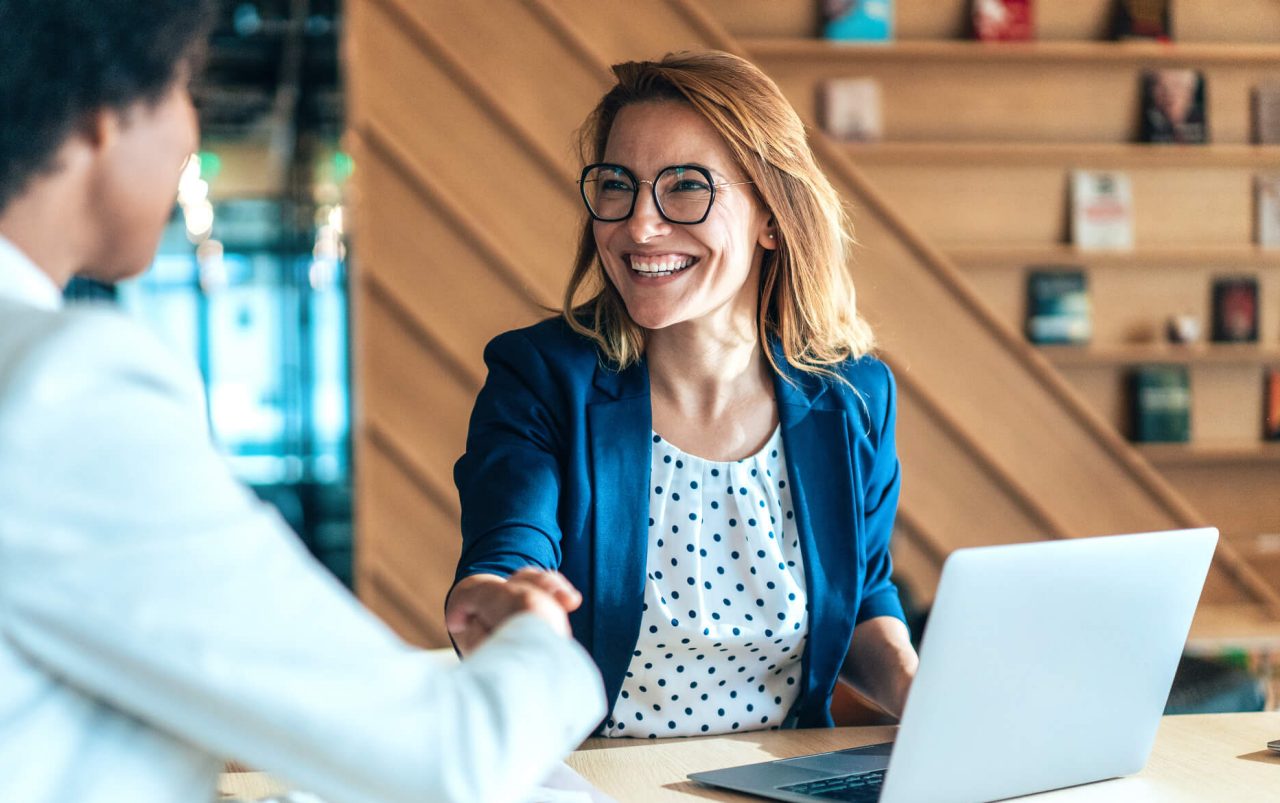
(646, 222)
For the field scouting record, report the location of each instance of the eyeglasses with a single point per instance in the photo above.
(682, 193)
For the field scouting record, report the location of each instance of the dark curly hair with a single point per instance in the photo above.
(62, 60)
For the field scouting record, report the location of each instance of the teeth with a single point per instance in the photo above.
(660, 266)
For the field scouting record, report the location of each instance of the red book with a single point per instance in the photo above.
(1271, 411)
(1003, 20)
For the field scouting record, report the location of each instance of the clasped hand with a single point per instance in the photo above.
(480, 603)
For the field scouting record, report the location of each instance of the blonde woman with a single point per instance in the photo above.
(697, 458)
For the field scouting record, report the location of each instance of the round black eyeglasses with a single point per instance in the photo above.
(682, 193)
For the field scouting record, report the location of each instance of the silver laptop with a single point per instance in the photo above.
(1044, 665)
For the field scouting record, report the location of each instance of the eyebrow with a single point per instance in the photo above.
(715, 173)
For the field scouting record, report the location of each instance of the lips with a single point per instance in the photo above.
(657, 265)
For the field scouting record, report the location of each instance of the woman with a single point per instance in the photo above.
(703, 447)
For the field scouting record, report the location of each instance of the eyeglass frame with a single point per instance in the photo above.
(653, 190)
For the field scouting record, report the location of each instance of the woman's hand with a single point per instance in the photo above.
(480, 603)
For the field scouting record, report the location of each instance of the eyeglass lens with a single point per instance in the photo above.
(683, 193)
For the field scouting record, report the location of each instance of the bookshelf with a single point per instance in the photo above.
(1246, 354)
(980, 142)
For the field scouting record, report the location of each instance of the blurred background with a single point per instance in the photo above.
(251, 278)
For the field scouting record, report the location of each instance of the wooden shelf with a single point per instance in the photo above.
(1174, 454)
(1199, 353)
(1067, 154)
(1016, 257)
(1135, 53)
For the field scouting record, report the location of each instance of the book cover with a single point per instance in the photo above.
(1235, 310)
(1173, 108)
(1058, 308)
(1101, 210)
(1003, 20)
(851, 109)
(1271, 405)
(1141, 19)
(858, 20)
(1266, 113)
(1267, 204)
(1161, 404)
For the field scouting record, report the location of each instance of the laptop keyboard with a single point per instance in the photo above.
(862, 787)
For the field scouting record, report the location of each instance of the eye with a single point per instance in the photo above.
(615, 185)
(688, 184)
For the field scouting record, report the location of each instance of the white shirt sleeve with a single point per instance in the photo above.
(134, 567)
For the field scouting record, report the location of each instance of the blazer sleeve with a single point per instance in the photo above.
(510, 476)
(135, 569)
(880, 505)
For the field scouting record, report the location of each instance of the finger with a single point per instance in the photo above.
(553, 583)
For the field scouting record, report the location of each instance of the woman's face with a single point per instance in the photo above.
(669, 273)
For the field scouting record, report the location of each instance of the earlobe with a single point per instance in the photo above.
(769, 239)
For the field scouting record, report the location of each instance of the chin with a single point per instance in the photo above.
(120, 271)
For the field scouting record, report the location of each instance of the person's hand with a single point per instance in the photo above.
(480, 603)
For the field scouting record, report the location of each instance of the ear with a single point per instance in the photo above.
(99, 129)
(768, 239)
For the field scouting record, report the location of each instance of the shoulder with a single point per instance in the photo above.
(870, 397)
(49, 357)
(549, 345)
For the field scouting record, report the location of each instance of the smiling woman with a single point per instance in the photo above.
(702, 447)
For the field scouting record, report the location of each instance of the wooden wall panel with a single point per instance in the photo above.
(447, 136)
(398, 576)
(407, 247)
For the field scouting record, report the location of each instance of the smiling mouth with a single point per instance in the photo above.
(667, 265)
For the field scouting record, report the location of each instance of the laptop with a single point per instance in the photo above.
(1043, 665)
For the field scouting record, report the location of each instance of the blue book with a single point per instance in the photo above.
(858, 20)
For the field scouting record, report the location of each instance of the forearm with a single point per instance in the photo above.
(881, 662)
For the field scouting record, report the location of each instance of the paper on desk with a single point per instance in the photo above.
(564, 785)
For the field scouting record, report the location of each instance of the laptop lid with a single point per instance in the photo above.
(1043, 665)
(1046, 665)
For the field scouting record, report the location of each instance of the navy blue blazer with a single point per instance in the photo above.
(556, 475)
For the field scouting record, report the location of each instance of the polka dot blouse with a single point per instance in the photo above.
(724, 622)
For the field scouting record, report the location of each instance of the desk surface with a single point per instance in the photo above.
(1214, 757)
(1219, 757)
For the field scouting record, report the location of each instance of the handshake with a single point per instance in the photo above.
(480, 603)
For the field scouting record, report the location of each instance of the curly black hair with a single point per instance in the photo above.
(62, 60)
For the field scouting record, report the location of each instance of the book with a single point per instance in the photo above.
(1265, 102)
(1003, 20)
(1267, 208)
(1235, 310)
(1161, 404)
(1058, 308)
(1271, 404)
(851, 110)
(1173, 108)
(1101, 210)
(858, 20)
(1141, 19)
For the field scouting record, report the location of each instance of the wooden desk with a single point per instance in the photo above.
(1214, 757)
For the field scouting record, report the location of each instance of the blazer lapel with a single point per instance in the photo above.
(820, 468)
(619, 427)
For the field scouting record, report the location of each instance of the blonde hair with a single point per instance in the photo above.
(807, 299)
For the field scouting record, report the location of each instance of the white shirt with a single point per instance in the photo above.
(724, 622)
(156, 618)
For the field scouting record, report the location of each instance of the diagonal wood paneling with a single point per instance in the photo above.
(463, 120)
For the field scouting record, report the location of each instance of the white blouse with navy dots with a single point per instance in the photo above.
(724, 621)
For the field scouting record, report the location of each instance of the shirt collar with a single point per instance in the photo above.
(20, 279)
